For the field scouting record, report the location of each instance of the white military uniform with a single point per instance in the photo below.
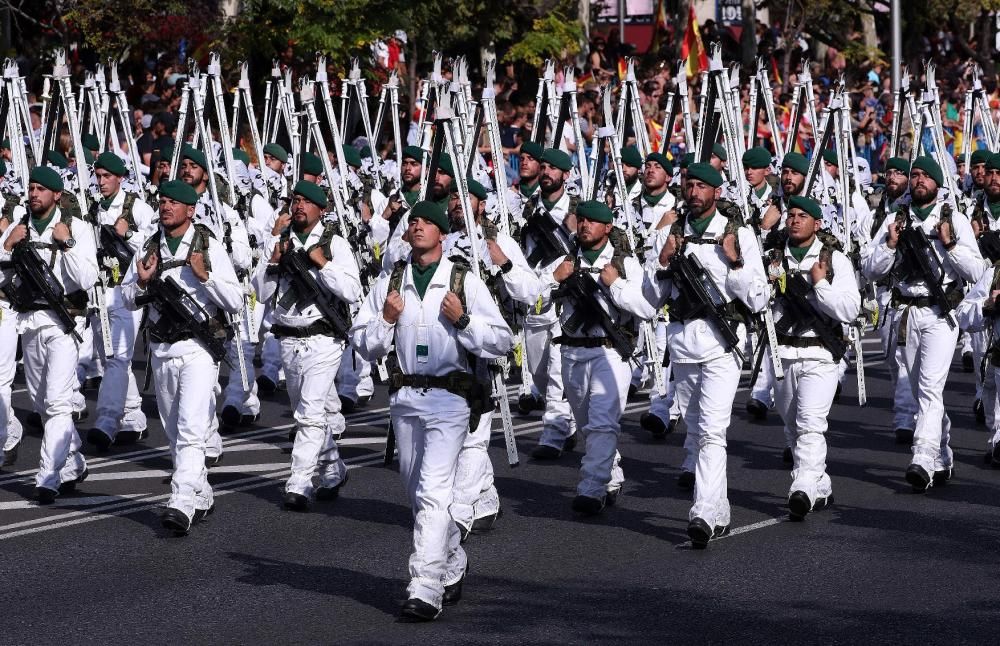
(803, 398)
(118, 400)
(596, 379)
(311, 363)
(972, 317)
(51, 353)
(431, 423)
(10, 427)
(928, 337)
(706, 375)
(184, 373)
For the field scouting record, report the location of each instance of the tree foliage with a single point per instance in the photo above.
(552, 36)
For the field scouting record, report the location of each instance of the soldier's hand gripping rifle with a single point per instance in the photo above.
(916, 252)
(181, 316)
(304, 290)
(800, 312)
(585, 295)
(704, 296)
(33, 286)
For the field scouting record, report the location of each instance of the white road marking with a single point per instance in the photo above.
(744, 529)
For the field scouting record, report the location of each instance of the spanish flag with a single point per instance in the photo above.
(623, 68)
(660, 26)
(692, 50)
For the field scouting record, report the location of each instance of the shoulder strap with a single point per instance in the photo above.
(329, 228)
(9, 204)
(396, 277)
(574, 200)
(127, 211)
(456, 283)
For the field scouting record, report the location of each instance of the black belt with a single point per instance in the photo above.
(457, 382)
(914, 301)
(583, 341)
(319, 328)
(800, 341)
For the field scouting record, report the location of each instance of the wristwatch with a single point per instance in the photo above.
(737, 264)
(507, 266)
(462, 322)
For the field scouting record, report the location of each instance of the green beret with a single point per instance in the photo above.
(980, 156)
(167, 152)
(276, 151)
(830, 156)
(631, 157)
(532, 149)
(595, 211)
(806, 204)
(56, 159)
(757, 157)
(903, 165)
(179, 192)
(416, 153)
(720, 151)
(352, 156)
(5, 143)
(475, 188)
(111, 163)
(796, 161)
(312, 164)
(432, 212)
(557, 158)
(929, 166)
(195, 155)
(311, 191)
(90, 141)
(687, 160)
(88, 156)
(662, 160)
(993, 162)
(706, 173)
(366, 152)
(3, 168)
(444, 165)
(47, 177)
(240, 154)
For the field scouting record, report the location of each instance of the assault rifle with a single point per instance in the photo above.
(548, 245)
(33, 286)
(703, 295)
(179, 317)
(304, 290)
(801, 312)
(918, 256)
(583, 292)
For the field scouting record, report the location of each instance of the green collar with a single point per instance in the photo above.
(760, 191)
(527, 190)
(799, 252)
(922, 211)
(592, 254)
(422, 277)
(994, 209)
(630, 185)
(40, 225)
(700, 225)
(106, 201)
(174, 243)
(653, 200)
(411, 197)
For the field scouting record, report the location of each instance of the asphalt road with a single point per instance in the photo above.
(883, 565)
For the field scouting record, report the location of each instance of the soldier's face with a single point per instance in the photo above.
(755, 176)
(41, 199)
(409, 172)
(530, 168)
(801, 226)
(305, 213)
(164, 168)
(591, 233)
(992, 184)
(173, 213)
(655, 176)
(309, 177)
(275, 164)
(552, 178)
(191, 173)
(701, 197)
(923, 189)
(423, 235)
(108, 183)
(791, 181)
(442, 185)
(895, 182)
(630, 173)
(979, 174)
(832, 169)
(716, 163)
(455, 215)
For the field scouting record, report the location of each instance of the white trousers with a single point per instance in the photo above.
(803, 399)
(545, 365)
(244, 400)
(50, 360)
(665, 407)
(475, 495)
(10, 427)
(930, 346)
(270, 356)
(119, 405)
(354, 379)
(596, 382)
(429, 445)
(904, 406)
(185, 397)
(709, 389)
(311, 365)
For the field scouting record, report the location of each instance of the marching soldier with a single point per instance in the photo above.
(514, 285)
(596, 368)
(925, 324)
(704, 353)
(312, 345)
(818, 293)
(65, 245)
(184, 343)
(631, 166)
(529, 174)
(130, 222)
(10, 427)
(433, 327)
